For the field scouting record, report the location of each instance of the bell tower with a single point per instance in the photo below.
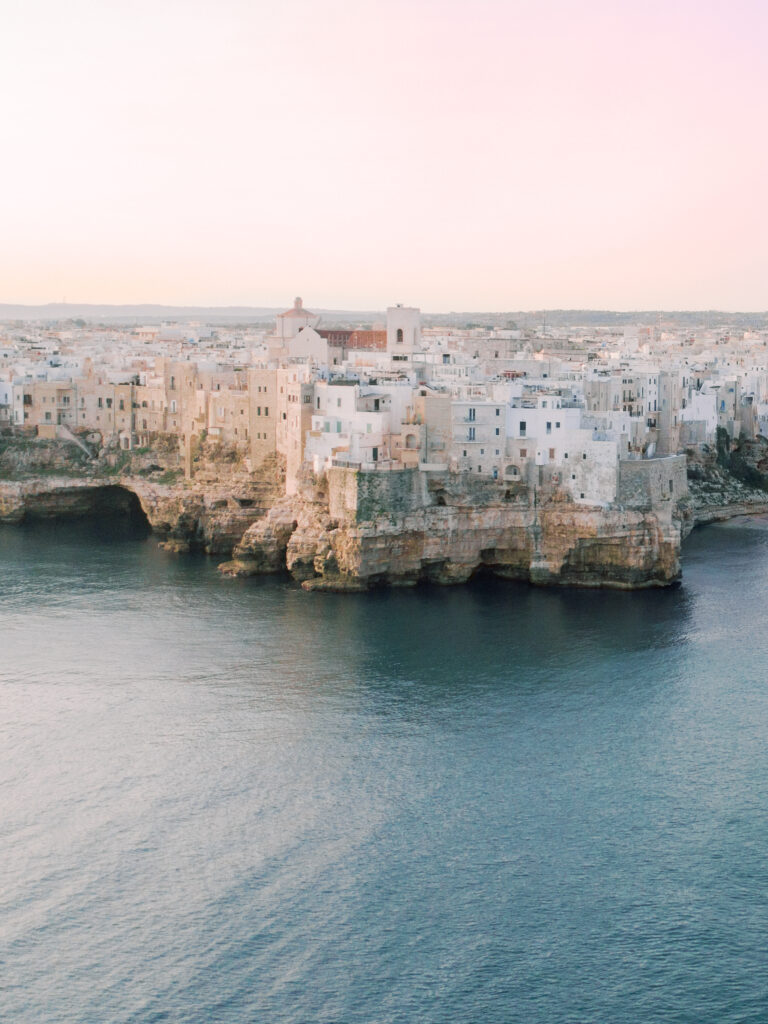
(403, 331)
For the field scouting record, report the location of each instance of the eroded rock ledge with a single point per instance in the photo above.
(211, 512)
(715, 493)
(354, 530)
(350, 531)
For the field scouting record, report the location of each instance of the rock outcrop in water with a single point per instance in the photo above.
(353, 530)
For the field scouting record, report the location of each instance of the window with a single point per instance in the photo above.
(671, 486)
(557, 426)
(471, 415)
(552, 454)
(522, 428)
(583, 455)
(565, 455)
(47, 417)
(266, 410)
(523, 453)
(109, 403)
(101, 403)
(482, 451)
(498, 412)
(470, 433)
(399, 336)
(549, 428)
(122, 405)
(173, 383)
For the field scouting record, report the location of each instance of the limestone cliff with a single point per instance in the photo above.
(727, 480)
(211, 512)
(352, 530)
(357, 530)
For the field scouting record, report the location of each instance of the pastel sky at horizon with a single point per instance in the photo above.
(452, 155)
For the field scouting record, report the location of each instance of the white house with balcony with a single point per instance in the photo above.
(351, 426)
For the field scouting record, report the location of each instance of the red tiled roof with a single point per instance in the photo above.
(368, 339)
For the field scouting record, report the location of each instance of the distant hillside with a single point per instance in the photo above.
(147, 313)
(56, 312)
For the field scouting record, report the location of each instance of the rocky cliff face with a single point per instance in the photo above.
(351, 531)
(726, 481)
(212, 518)
(361, 530)
(211, 512)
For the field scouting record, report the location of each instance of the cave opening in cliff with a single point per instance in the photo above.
(108, 507)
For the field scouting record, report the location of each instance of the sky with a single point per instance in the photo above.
(454, 155)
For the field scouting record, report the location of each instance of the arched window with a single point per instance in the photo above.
(399, 335)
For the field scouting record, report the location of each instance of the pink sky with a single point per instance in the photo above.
(452, 155)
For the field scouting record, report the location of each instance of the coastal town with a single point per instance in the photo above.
(591, 417)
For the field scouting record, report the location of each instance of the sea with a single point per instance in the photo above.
(233, 801)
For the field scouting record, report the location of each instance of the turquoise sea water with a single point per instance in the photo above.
(234, 801)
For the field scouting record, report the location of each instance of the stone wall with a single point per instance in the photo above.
(647, 483)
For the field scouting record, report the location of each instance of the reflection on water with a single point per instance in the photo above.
(232, 800)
